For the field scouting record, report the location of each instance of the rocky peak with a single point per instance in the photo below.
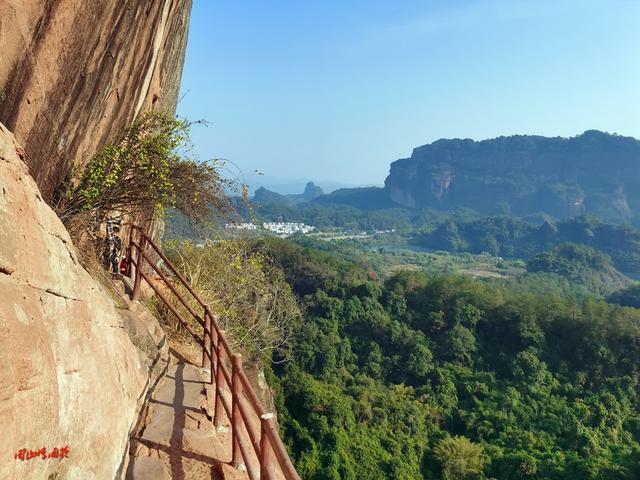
(594, 172)
(311, 191)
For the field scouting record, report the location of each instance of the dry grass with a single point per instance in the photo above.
(179, 339)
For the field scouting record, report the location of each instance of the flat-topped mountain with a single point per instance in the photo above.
(593, 173)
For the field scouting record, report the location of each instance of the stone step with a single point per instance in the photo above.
(177, 440)
(147, 468)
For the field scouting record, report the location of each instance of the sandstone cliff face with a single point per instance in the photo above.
(75, 72)
(74, 368)
(593, 173)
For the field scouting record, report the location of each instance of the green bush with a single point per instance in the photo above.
(256, 306)
(144, 171)
(460, 458)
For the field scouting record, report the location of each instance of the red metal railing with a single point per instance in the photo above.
(259, 450)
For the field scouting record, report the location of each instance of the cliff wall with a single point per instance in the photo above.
(75, 72)
(75, 366)
(593, 173)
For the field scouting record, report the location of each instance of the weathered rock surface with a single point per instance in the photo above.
(74, 368)
(73, 73)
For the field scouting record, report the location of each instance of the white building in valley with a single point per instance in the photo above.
(241, 226)
(284, 229)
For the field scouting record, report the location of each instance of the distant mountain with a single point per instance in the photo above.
(311, 191)
(267, 197)
(365, 198)
(593, 173)
(287, 186)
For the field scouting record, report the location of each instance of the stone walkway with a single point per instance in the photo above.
(176, 440)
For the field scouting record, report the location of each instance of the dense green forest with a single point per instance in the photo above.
(514, 238)
(628, 297)
(580, 265)
(464, 230)
(403, 366)
(442, 376)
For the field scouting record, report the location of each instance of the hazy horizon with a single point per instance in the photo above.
(365, 83)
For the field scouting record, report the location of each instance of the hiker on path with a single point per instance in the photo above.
(112, 248)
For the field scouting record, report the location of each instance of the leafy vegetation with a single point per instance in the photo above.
(143, 172)
(570, 276)
(444, 376)
(463, 230)
(628, 297)
(513, 238)
(581, 265)
(460, 457)
(255, 305)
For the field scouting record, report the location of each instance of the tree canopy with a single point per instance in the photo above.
(444, 376)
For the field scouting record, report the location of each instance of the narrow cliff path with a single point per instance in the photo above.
(175, 437)
(176, 440)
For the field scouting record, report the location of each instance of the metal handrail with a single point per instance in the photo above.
(267, 446)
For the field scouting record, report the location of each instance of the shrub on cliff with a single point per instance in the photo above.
(144, 171)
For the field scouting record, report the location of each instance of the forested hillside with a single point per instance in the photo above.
(448, 377)
(581, 265)
(510, 237)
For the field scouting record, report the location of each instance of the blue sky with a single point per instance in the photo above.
(337, 90)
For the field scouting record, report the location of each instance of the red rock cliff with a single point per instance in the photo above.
(75, 72)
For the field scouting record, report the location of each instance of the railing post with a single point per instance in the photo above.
(218, 416)
(139, 265)
(129, 251)
(206, 341)
(267, 457)
(236, 419)
(214, 345)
